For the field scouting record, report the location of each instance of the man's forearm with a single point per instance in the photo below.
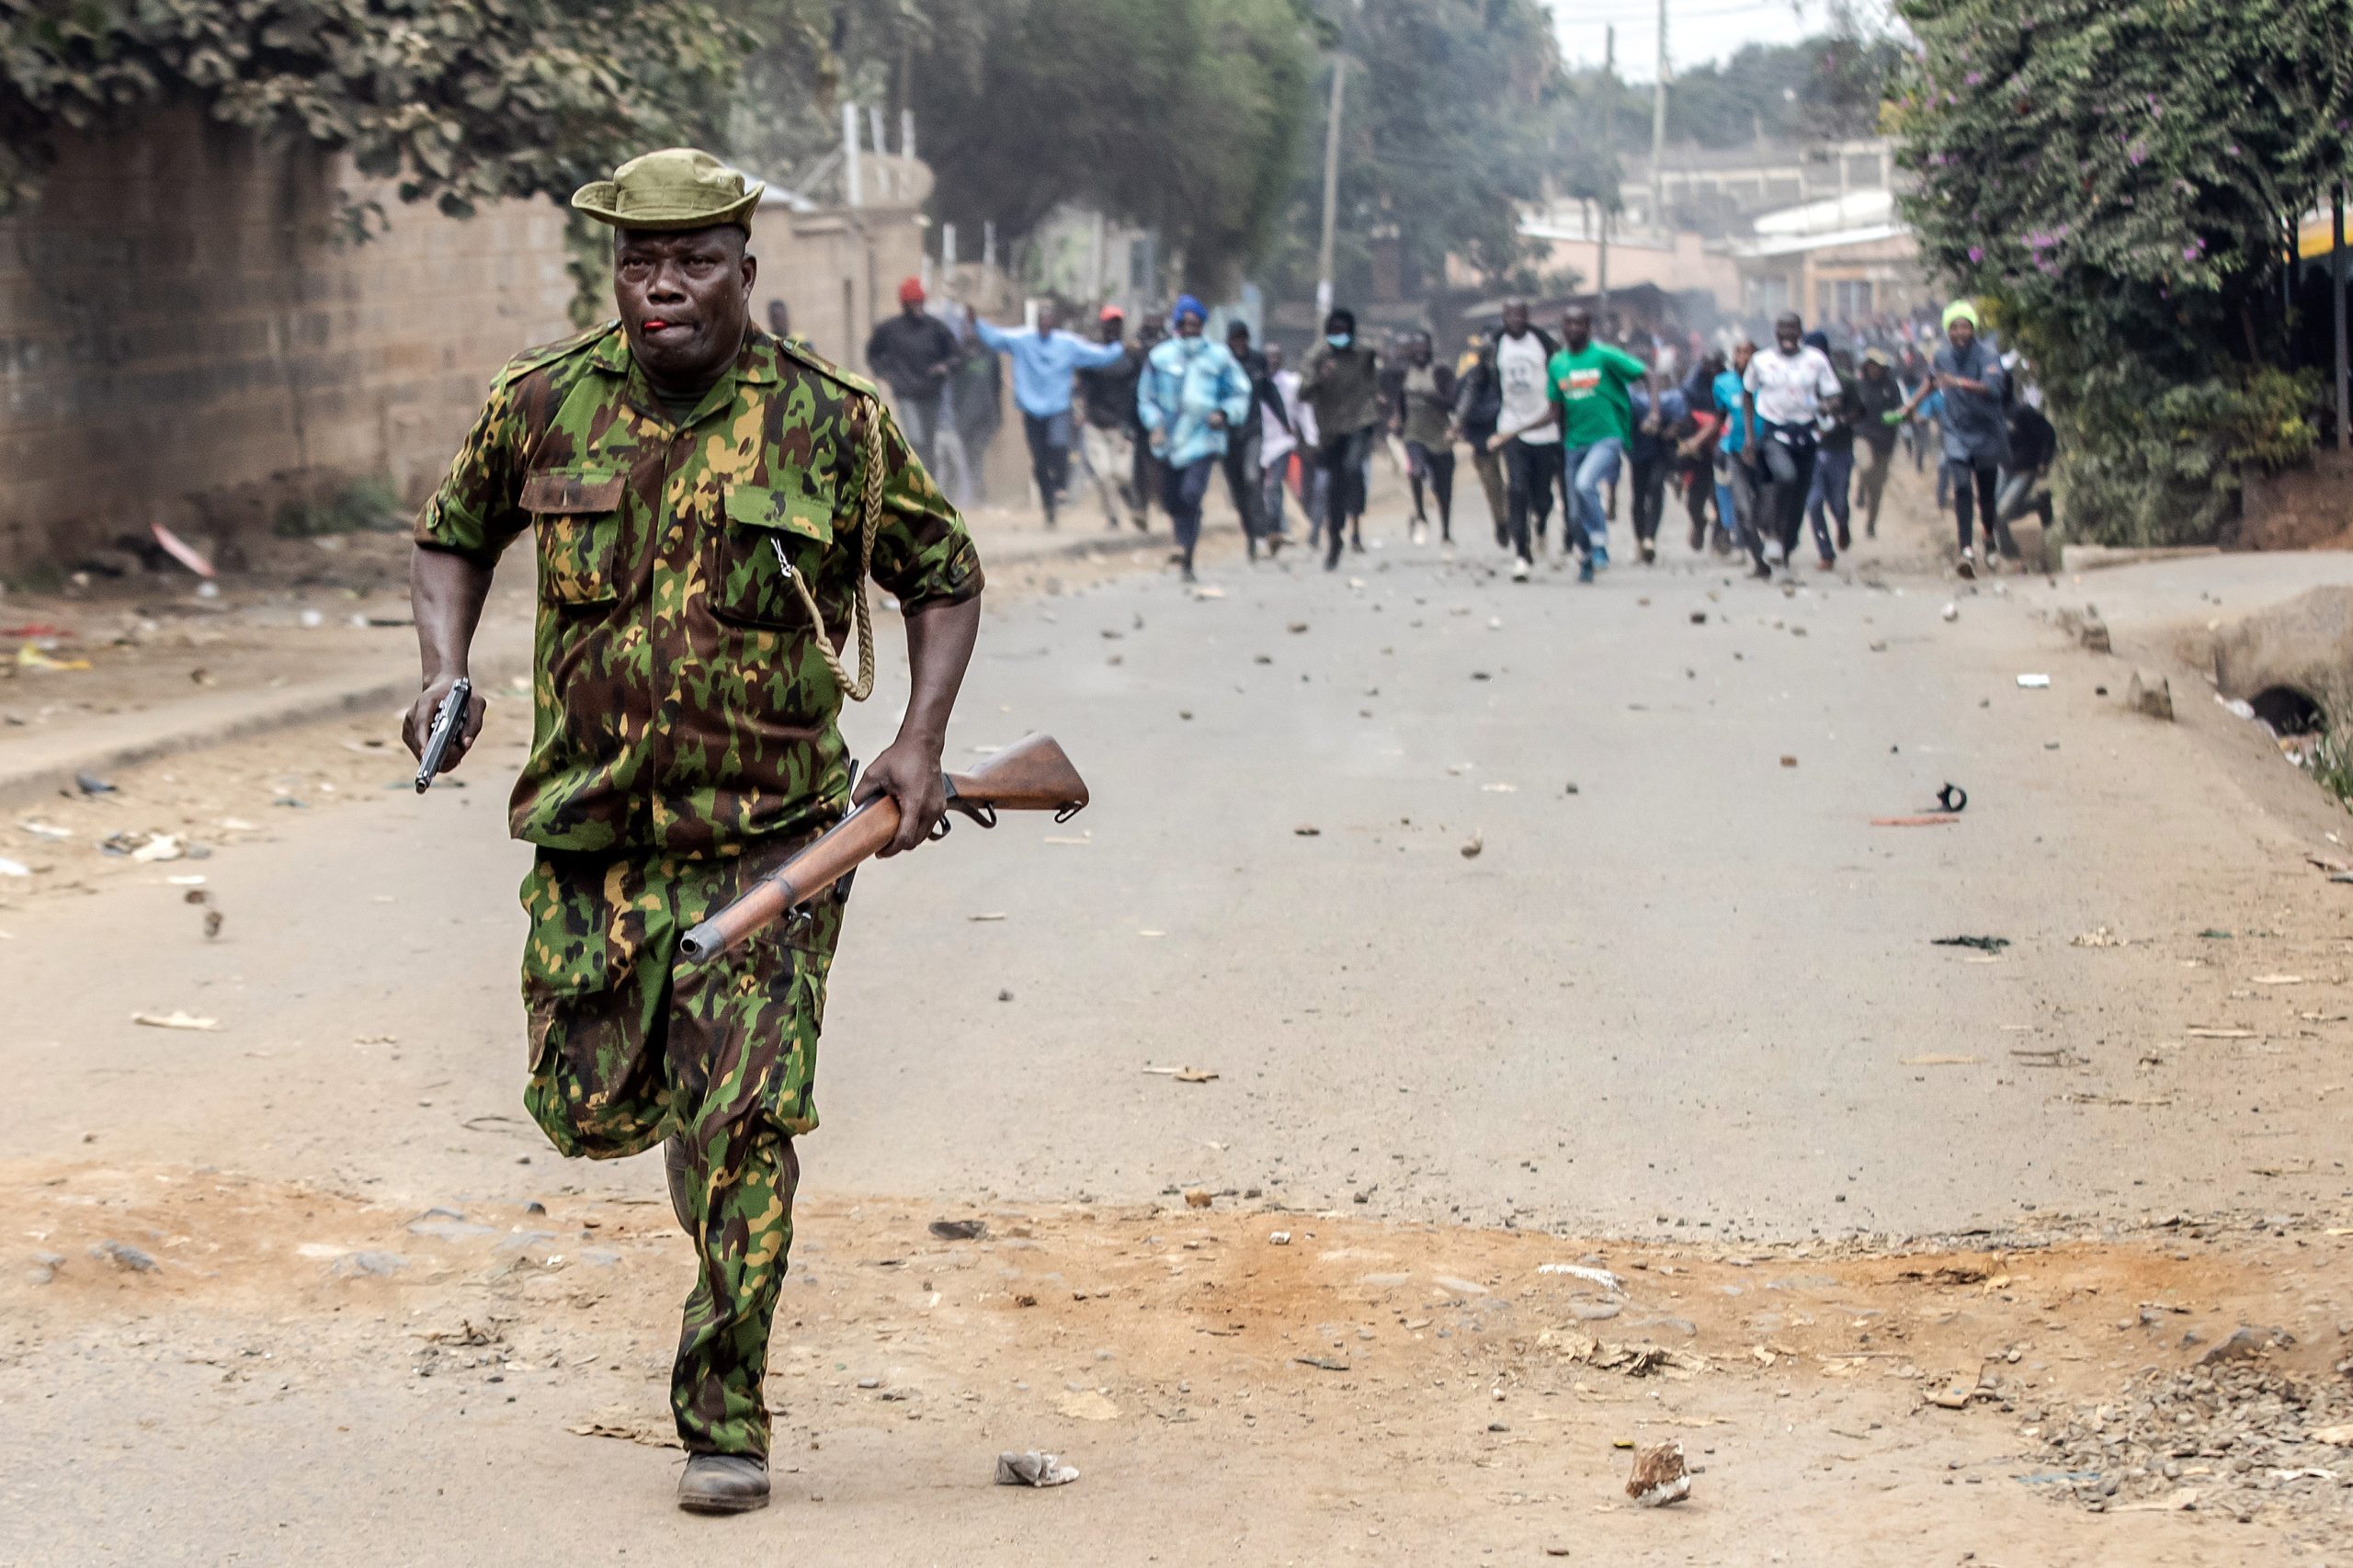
(939, 647)
(447, 591)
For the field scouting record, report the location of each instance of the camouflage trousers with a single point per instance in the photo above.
(627, 1052)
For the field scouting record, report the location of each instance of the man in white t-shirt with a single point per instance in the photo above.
(1791, 391)
(1532, 457)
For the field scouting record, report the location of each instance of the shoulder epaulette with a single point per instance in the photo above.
(547, 354)
(797, 350)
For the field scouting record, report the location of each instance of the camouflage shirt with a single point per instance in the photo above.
(679, 701)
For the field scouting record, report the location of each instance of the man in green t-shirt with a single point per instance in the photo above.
(1587, 381)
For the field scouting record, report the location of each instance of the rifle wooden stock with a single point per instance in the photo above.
(1032, 776)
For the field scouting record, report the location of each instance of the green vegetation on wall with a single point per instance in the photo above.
(2117, 179)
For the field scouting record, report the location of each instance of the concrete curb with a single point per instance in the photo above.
(135, 738)
(32, 770)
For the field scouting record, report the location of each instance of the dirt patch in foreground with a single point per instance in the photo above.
(1373, 1378)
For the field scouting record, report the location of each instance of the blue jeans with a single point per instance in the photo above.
(1832, 475)
(1186, 488)
(1584, 470)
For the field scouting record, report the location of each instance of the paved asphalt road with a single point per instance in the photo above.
(1684, 984)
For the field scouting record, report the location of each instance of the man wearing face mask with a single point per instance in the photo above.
(1341, 383)
(1192, 396)
(707, 502)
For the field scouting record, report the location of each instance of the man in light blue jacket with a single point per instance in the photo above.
(1192, 391)
(1045, 362)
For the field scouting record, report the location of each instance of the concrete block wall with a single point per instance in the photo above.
(185, 339)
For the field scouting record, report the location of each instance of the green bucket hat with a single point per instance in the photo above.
(678, 187)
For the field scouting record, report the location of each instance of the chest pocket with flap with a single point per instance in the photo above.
(577, 516)
(768, 535)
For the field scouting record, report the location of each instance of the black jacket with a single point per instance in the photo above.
(1109, 393)
(906, 350)
(2033, 443)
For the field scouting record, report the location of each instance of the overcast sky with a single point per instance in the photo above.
(1697, 30)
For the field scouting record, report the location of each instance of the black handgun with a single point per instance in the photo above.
(447, 722)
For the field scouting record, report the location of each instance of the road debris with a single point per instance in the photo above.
(123, 1255)
(1935, 1060)
(1660, 1476)
(91, 784)
(1634, 1359)
(2100, 937)
(629, 1427)
(46, 830)
(1279, 1238)
(13, 867)
(2209, 1031)
(1034, 1468)
(1787, 761)
(1198, 1198)
(1471, 850)
(1952, 611)
(175, 1019)
(1185, 1075)
(1955, 1392)
(1322, 1363)
(1983, 944)
(989, 918)
(179, 550)
(159, 848)
(1591, 1276)
(2034, 683)
(960, 1230)
(1307, 830)
(2152, 696)
(2245, 1432)
(1931, 819)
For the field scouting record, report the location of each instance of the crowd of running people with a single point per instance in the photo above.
(1759, 444)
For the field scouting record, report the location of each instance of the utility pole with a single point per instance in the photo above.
(1658, 130)
(1608, 161)
(853, 186)
(1331, 188)
(2337, 306)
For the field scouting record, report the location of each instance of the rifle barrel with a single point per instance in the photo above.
(827, 858)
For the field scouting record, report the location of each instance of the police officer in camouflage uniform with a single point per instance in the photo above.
(706, 501)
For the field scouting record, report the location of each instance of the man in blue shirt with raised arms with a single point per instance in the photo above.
(1045, 363)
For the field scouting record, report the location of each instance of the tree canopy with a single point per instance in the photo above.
(1448, 125)
(1182, 115)
(465, 100)
(1825, 87)
(2119, 178)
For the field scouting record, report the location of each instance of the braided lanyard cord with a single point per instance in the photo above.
(870, 505)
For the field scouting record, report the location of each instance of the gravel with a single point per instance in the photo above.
(2232, 1438)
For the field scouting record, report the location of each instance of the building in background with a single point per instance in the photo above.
(1748, 232)
(1843, 259)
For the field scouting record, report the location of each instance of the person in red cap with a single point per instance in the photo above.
(912, 354)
